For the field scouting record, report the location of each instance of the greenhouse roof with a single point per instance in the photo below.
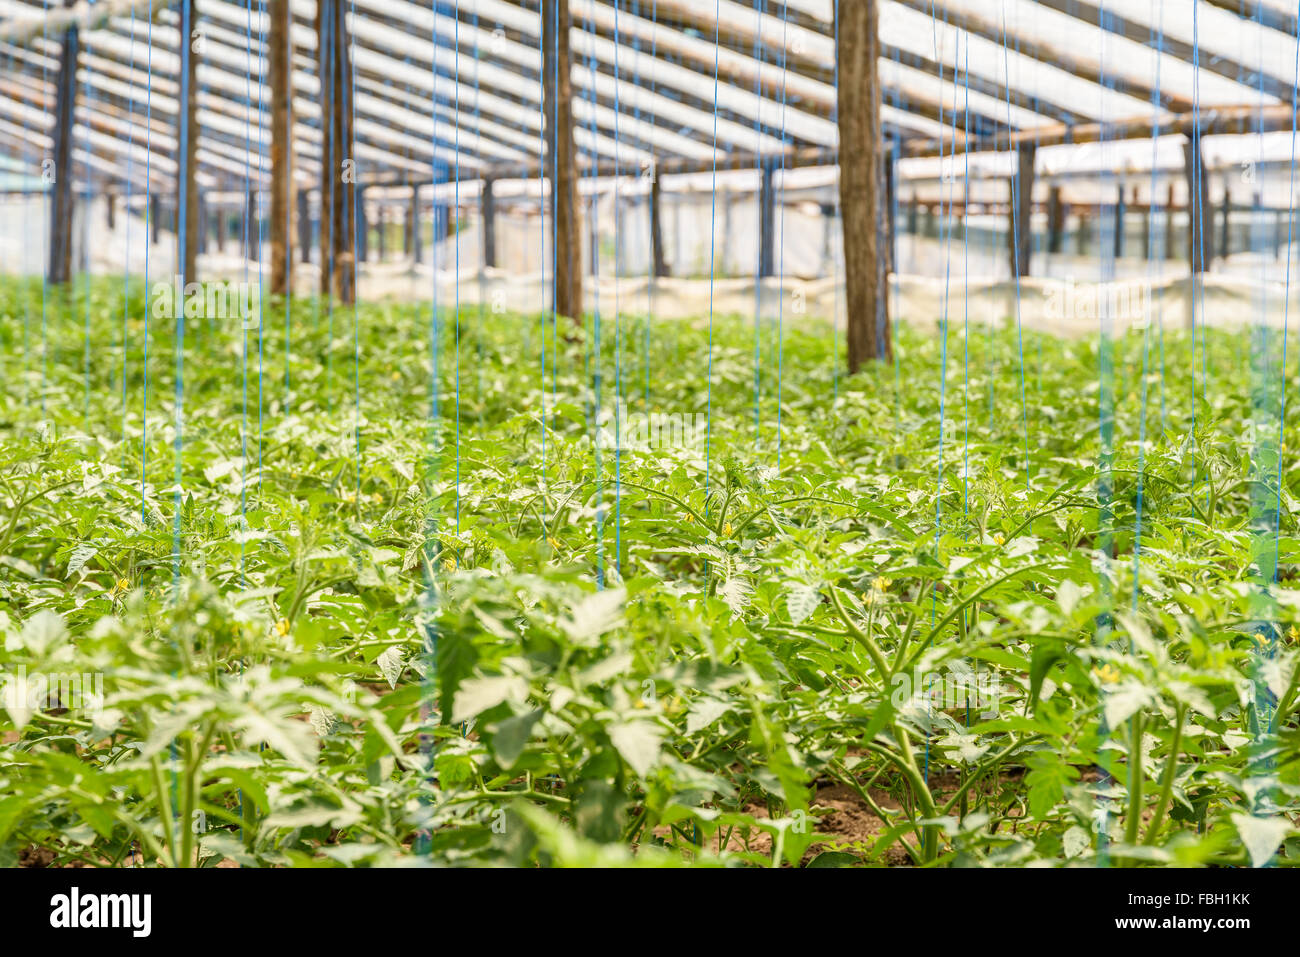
(453, 89)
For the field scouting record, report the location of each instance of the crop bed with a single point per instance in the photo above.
(355, 613)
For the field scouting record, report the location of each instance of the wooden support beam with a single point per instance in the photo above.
(413, 232)
(280, 68)
(304, 227)
(60, 263)
(110, 211)
(1119, 221)
(155, 215)
(891, 201)
(1055, 219)
(1169, 223)
(767, 222)
(1225, 224)
(562, 170)
(203, 225)
(489, 211)
(861, 182)
(1200, 215)
(659, 263)
(339, 169)
(187, 132)
(362, 226)
(1020, 227)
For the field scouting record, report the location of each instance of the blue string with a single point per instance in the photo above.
(555, 220)
(541, 203)
(243, 325)
(780, 299)
(650, 286)
(49, 236)
(618, 344)
(945, 235)
(713, 212)
(595, 350)
(85, 243)
(126, 269)
(356, 264)
(182, 246)
(1015, 245)
(148, 239)
(835, 282)
(327, 206)
(261, 264)
(455, 209)
(1286, 301)
(760, 10)
(965, 238)
(1157, 38)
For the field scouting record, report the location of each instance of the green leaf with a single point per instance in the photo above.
(638, 742)
(1261, 836)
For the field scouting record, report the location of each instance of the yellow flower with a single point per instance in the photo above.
(376, 498)
(282, 627)
(1293, 634)
(552, 542)
(998, 538)
(1107, 674)
(449, 564)
(122, 586)
(726, 529)
(397, 376)
(880, 584)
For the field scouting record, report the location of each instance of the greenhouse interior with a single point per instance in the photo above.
(346, 519)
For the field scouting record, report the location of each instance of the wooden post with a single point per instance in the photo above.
(1225, 227)
(187, 193)
(861, 181)
(60, 264)
(203, 225)
(489, 210)
(414, 233)
(110, 211)
(381, 230)
(1055, 220)
(658, 263)
(249, 230)
(339, 170)
(1020, 229)
(891, 201)
(280, 54)
(561, 158)
(155, 214)
(767, 222)
(1169, 223)
(362, 227)
(1147, 245)
(1200, 246)
(304, 229)
(1119, 221)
